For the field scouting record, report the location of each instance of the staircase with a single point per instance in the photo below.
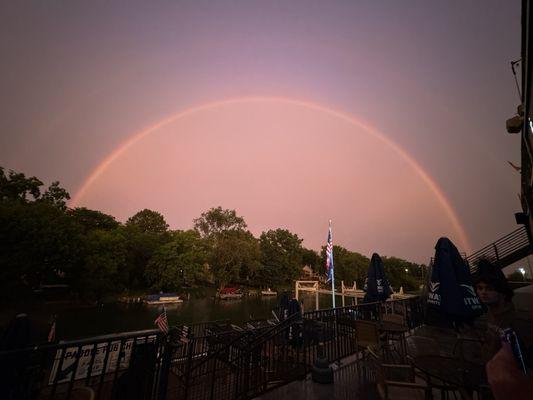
(504, 251)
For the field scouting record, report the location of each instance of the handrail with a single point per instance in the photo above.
(507, 246)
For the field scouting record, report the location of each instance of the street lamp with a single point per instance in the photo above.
(523, 272)
(407, 270)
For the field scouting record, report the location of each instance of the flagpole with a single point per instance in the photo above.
(332, 269)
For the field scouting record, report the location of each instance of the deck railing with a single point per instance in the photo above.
(213, 361)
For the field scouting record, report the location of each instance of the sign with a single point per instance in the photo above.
(96, 352)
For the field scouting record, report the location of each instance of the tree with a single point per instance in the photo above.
(56, 196)
(181, 262)
(148, 221)
(233, 256)
(281, 256)
(15, 186)
(311, 257)
(38, 244)
(217, 220)
(349, 266)
(103, 270)
(402, 273)
(90, 220)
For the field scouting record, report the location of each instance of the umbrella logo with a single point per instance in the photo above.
(433, 297)
(434, 286)
(470, 290)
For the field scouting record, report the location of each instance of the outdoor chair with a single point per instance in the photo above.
(366, 336)
(418, 346)
(422, 346)
(395, 341)
(396, 381)
(394, 318)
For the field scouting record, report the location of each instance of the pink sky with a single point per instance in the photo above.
(80, 79)
(279, 164)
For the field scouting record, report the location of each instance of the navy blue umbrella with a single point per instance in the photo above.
(452, 299)
(377, 286)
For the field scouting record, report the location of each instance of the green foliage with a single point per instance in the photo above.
(38, 243)
(312, 258)
(217, 221)
(41, 241)
(233, 256)
(395, 268)
(181, 262)
(141, 246)
(103, 270)
(281, 257)
(90, 220)
(349, 266)
(56, 196)
(148, 221)
(15, 186)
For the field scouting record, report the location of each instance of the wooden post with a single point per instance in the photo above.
(317, 307)
(296, 286)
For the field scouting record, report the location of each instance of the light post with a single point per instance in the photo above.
(523, 272)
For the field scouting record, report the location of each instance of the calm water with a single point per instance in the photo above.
(77, 322)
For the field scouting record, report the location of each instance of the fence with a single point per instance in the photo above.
(106, 366)
(248, 364)
(211, 361)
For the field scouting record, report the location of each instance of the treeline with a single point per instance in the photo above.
(42, 241)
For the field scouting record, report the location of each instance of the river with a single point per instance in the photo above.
(74, 321)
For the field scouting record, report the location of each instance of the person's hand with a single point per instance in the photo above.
(505, 378)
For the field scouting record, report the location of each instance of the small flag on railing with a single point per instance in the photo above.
(52, 333)
(162, 322)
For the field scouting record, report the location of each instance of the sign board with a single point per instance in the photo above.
(96, 352)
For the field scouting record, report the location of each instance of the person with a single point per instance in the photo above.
(505, 378)
(496, 295)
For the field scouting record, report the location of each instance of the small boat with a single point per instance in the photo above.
(268, 292)
(162, 298)
(229, 293)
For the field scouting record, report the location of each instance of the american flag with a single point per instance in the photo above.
(162, 322)
(329, 255)
(52, 333)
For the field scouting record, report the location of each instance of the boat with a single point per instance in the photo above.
(229, 293)
(162, 298)
(268, 292)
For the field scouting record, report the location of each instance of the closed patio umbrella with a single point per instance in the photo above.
(377, 286)
(452, 299)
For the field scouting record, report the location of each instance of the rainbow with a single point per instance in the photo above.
(430, 182)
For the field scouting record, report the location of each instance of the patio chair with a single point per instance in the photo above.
(397, 381)
(366, 336)
(395, 341)
(418, 346)
(422, 346)
(394, 318)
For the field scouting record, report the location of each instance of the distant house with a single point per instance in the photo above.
(309, 274)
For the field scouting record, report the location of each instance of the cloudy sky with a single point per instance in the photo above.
(386, 117)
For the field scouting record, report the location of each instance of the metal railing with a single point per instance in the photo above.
(215, 361)
(254, 362)
(504, 251)
(105, 366)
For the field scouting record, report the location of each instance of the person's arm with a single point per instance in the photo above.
(505, 377)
